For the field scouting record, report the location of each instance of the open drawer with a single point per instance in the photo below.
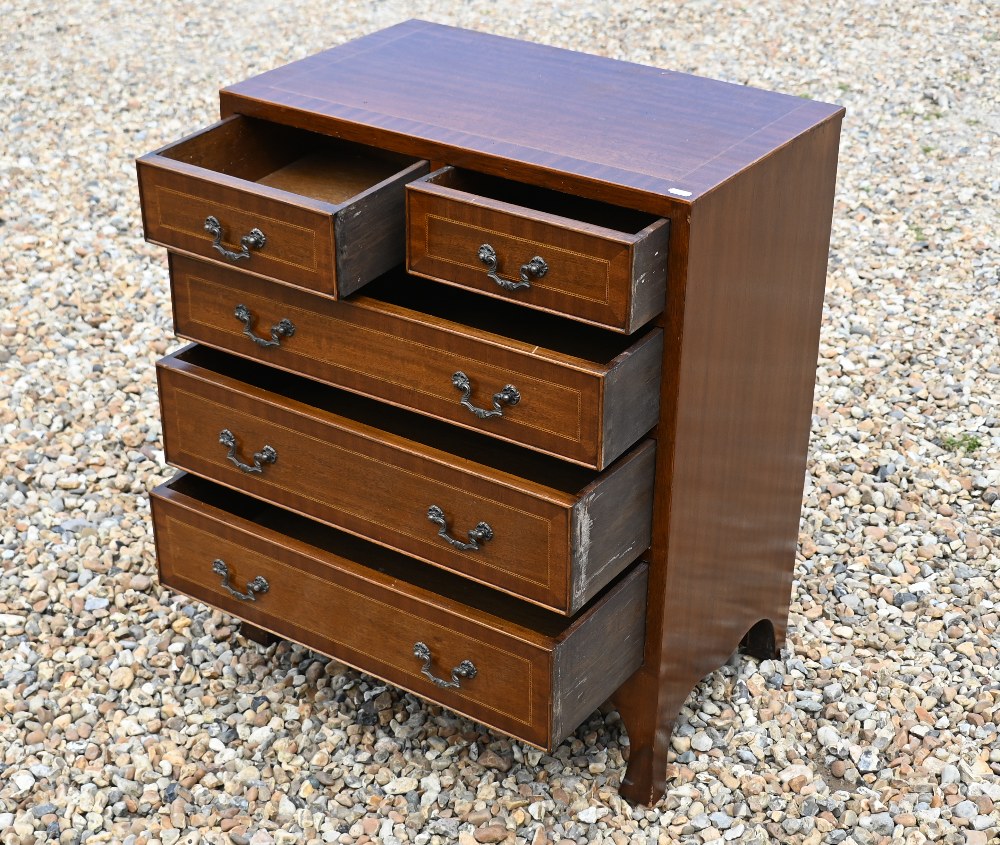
(527, 524)
(569, 390)
(511, 666)
(587, 260)
(302, 208)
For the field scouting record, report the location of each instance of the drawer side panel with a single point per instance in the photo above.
(632, 396)
(370, 232)
(592, 660)
(612, 523)
(650, 273)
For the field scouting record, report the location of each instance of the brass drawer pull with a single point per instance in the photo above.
(465, 669)
(283, 328)
(257, 585)
(509, 395)
(534, 269)
(254, 239)
(480, 534)
(267, 455)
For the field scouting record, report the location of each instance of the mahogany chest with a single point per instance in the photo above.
(500, 373)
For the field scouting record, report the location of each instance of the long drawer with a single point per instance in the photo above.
(519, 669)
(569, 390)
(549, 532)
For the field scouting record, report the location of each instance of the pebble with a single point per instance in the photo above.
(965, 810)
(121, 678)
(880, 713)
(828, 736)
(950, 774)
(701, 741)
(868, 760)
(720, 820)
(23, 781)
(400, 786)
(590, 815)
(882, 824)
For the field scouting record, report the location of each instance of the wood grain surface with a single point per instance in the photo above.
(331, 211)
(554, 547)
(599, 128)
(611, 272)
(742, 325)
(371, 614)
(380, 345)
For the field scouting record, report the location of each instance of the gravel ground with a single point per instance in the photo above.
(129, 714)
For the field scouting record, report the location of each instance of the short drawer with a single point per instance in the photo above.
(529, 525)
(576, 392)
(519, 669)
(590, 261)
(304, 209)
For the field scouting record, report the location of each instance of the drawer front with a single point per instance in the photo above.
(299, 246)
(611, 279)
(379, 489)
(564, 406)
(357, 621)
(309, 211)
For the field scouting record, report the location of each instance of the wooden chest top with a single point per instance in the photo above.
(580, 123)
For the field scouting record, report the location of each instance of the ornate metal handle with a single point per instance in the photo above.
(283, 328)
(509, 395)
(465, 669)
(534, 269)
(254, 239)
(267, 455)
(257, 585)
(480, 534)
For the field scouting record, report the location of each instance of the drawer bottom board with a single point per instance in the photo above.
(537, 675)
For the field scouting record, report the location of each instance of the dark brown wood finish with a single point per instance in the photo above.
(556, 546)
(748, 266)
(365, 607)
(396, 353)
(605, 265)
(586, 125)
(744, 177)
(331, 212)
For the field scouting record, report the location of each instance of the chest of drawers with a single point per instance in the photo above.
(501, 371)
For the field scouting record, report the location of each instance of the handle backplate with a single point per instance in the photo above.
(534, 269)
(281, 329)
(267, 455)
(465, 670)
(255, 586)
(478, 535)
(254, 239)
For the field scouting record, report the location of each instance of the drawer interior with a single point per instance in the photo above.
(392, 564)
(463, 443)
(498, 317)
(294, 160)
(532, 197)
